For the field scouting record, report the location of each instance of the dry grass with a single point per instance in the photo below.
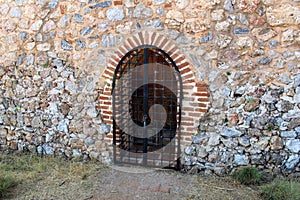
(28, 170)
(223, 188)
(32, 177)
(281, 190)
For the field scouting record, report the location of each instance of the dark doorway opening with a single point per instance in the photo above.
(157, 146)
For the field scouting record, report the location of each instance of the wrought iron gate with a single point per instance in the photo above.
(143, 132)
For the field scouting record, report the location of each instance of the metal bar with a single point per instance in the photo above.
(145, 104)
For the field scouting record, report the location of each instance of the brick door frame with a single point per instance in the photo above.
(195, 94)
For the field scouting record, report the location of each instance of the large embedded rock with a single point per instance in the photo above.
(276, 16)
(230, 132)
(276, 143)
(292, 161)
(3, 132)
(240, 159)
(201, 152)
(252, 104)
(295, 122)
(214, 139)
(293, 145)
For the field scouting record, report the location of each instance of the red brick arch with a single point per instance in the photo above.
(195, 94)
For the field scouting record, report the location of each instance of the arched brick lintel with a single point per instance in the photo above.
(196, 96)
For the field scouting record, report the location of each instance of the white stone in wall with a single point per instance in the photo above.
(48, 26)
(269, 2)
(115, 14)
(36, 25)
(230, 132)
(222, 26)
(24, 23)
(223, 40)
(159, 2)
(201, 152)
(240, 159)
(217, 15)
(214, 139)
(13, 47)
(141, 11)
(30, 12)
(175, 15)
(244, 42)
(293, 145)
(92, 112)
(181, 4)
(297, 98)
(29, 46)
(288, 37)
(4, 9)
(129, 4)
(276, 16)
(9, 25)
(43, 47)
(230, 142)
(292, 161)
(64, 21)
(103, 129)
(3, 132)
(43, 13)
(263, 34)
(63, 126)
(15, 12)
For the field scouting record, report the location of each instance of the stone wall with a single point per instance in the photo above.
(54, 55)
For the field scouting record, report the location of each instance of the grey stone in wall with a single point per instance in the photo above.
(104, 4)
(241, 159)
(23, 35)
(240, 30)
(53, 3)
(265, 60)
(78, 19)
(228, 5)
(141, 11)
(66, 45)
(292, 161)
(159, 2)
(80, 44)
(20, 59)
(160, 11)
(111, 40)
(207, 38)
(86, 30)
(230, 132)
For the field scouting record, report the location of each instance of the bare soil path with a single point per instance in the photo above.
(127, 183)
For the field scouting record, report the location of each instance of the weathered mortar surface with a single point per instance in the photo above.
(54, 52)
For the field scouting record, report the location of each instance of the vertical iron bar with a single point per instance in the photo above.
(145, 103)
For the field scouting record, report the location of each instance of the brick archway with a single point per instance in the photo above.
(195, 94)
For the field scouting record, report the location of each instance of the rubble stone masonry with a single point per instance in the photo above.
(238, 59)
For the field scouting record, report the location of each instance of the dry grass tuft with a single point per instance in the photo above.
(20, 172)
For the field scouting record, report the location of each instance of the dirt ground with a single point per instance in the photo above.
(129, 183)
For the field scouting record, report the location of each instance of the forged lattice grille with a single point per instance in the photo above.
(158, 146)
